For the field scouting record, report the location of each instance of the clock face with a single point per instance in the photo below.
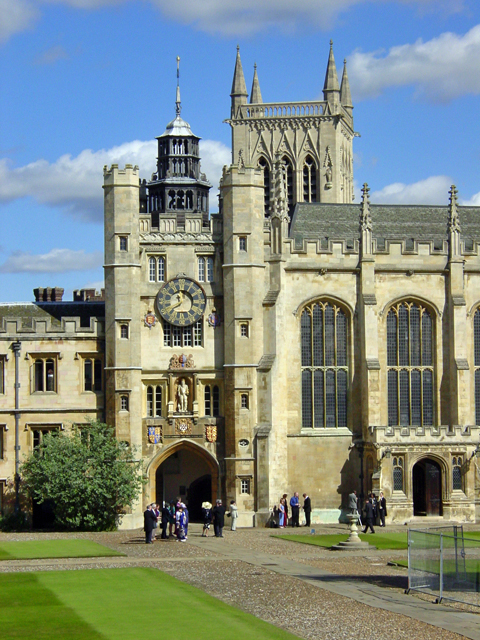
(181, 302)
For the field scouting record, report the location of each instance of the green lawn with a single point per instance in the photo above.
(380, 540)
(35, 549)
(118, 604)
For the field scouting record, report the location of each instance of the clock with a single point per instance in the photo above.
(181, 302)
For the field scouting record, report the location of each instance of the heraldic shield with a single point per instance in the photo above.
(154, 435)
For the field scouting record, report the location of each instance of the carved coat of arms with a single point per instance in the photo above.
(214, 319)
(183, 427)
(211, 433)
(150, 320)
(154, 435)
(182, 362)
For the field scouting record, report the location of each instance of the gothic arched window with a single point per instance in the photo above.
(397, 473)
(476, 363)
(324, 366)
(410, 365)
(263, 164)
(289, 179)
(457, 473)
(309, 180)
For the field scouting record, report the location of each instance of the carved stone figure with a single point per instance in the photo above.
(182, 396)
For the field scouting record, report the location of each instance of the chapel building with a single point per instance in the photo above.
(293, 341)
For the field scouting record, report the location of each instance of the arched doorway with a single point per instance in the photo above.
(189, 472)
(427, 488)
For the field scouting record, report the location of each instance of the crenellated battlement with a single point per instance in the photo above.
(129, 175)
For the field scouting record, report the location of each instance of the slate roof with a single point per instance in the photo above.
(389, 222)
(30, 311)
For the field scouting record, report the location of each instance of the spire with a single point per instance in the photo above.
(256, 94)
(331, 88)
(239, 88)
(453, 225)
(178, 104)
(365, 223)
(345, 95)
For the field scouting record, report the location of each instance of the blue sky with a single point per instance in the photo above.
(92, 82)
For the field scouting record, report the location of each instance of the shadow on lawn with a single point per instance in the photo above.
(397, 582)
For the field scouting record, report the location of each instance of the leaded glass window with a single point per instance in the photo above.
(323, 328)
(208, 401)
(152, 268)
(410, 365)
(476, 362)
(289, 180)
(149, 402)
(398, 473)
(263, 164)
(183, 336)
(457, 473)
(309, 180)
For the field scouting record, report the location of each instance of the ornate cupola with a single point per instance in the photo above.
(179, 187)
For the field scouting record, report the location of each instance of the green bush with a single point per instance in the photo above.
(90, 477)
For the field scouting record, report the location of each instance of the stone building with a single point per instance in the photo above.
(296, 340)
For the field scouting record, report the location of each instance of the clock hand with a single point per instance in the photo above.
(176, 304)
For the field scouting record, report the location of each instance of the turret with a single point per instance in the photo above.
(239, 93)
(331, 89)
(345, 95)
(256, 94)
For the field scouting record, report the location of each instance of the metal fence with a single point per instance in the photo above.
(443, 563)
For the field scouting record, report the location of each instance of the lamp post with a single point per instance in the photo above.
(16, 346)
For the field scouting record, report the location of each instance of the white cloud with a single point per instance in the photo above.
(230, 17)
(433, 190)
(50, 56)
(56, 261)
(473, 202)
(75, 183)
(440, 69)
(17, 16)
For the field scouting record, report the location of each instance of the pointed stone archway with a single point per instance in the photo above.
(427, 488)
(186, 470)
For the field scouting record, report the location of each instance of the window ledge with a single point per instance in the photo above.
(321, 432)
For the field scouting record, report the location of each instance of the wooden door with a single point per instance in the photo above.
(433, 488)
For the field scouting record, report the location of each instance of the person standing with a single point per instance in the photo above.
(218, 519)
(307, 508)
(207, 517)
(382, 509)
(165, 520)
(369, 516)
(149, 519)
(285, 504)
(295, 504)
(233, 514)
(353, 502)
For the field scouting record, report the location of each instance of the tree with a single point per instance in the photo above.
(88, 474)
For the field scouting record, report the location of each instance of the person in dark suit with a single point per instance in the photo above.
(218, 519)
(165, 520)
(307, 507)
(369, 516)
(149, 519)
(382, 509)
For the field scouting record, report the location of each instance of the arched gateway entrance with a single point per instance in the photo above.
(187, 470)
(427, 488)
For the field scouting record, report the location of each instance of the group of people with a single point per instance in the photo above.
(217, 516)
(374, 509)
(174, 517)
(282, 510)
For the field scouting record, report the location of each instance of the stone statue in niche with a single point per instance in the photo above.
(182, 396)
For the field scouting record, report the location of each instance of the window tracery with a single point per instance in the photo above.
(410, 366)
(324, 366)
